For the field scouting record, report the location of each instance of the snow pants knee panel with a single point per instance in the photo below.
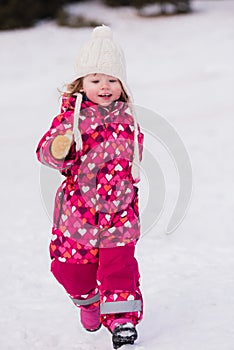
(77, 279)
(118, 268)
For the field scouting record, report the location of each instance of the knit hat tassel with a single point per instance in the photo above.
(76, 131)
(136, 161)
(136, 152)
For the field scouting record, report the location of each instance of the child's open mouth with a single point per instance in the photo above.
(105, 95)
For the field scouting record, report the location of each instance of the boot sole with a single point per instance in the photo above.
(93, 330)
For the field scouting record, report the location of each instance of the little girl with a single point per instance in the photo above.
(96, 143)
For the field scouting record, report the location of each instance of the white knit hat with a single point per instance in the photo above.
(102, 55)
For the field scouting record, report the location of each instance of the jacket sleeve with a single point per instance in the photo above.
(60, 125)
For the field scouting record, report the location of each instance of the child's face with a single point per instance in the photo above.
(101, 88)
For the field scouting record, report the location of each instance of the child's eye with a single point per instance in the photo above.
(95, 81)
(113, 80)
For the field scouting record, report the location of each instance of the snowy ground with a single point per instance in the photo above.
(182, 67)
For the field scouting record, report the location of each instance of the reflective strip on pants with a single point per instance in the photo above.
(120, 307)
(82, 302)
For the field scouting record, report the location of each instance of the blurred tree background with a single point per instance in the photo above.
(181, 6)
(22, 14)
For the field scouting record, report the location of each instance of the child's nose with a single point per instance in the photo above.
(105, 85)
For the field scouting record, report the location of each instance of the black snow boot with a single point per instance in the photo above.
(122, 334)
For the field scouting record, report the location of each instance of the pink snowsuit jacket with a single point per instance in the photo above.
(96, 206)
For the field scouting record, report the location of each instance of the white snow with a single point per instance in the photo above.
(182, 67)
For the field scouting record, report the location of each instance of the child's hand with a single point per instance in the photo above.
(61, 145)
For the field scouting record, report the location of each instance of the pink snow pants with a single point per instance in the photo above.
(112, 281)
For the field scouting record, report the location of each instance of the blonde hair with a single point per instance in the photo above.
(77, 86)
